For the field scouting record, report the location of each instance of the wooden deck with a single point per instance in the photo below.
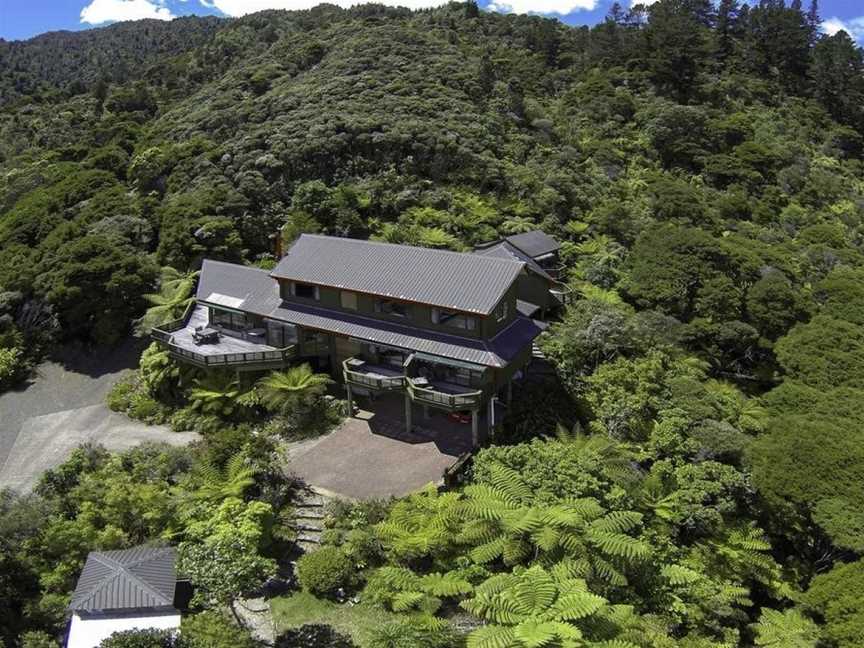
(229, 351)
(226, 344)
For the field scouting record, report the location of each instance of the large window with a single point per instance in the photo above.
(349, 299)
(304, 290)
(281, 335)
(454, 319)
(391, 307)
(227, 319)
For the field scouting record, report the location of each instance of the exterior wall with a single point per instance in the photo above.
(418, 315)
(491, 326)
(90, 630)
(534, 289)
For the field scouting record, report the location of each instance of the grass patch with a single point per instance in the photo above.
(357, 621)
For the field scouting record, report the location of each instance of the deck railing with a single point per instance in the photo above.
(428, 395)
(164, 335)
(277, 357)
(376, 382)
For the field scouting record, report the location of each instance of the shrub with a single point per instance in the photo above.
(414, 633)
(313, 636)
(11, 366)
(120, 395)
(213, 630)
(140, 639)
(38, 639)
(324, 571)
(143, 407)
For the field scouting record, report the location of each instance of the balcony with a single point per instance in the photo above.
(240, 352)
(359, 373)
(443, 395)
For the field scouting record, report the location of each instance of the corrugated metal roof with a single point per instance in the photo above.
(253, 288)
(260, 294)
(526, 308)
(497, 352)
(504, 250)
(141, 577)
(458, 280)
(535, 243)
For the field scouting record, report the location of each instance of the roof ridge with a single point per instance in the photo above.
(404, 245)
(119, 569)
(231, 263)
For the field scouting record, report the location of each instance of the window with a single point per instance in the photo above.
(227, 319)
(501, 311)
(391, 307)
(454, 319)
(304, 290)
(349, 299)
(281, 335)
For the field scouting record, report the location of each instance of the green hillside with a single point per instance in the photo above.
(704, 169)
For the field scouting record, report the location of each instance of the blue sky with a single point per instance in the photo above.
(25, 18)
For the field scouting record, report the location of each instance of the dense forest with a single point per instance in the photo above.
(693, 474)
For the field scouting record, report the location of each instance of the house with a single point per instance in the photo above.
(438, 329)
(123, 590)
(539, 291)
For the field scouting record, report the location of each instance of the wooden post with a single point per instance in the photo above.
(509, 390)
(408, 413)
(474, 440)
(350, 400)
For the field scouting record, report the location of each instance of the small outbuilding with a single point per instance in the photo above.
(124, 590)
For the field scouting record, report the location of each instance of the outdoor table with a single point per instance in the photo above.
(420, 381)
(355, 363)
(206, 335)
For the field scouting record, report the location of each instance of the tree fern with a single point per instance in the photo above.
(788, 629)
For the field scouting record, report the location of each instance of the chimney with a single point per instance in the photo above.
(277, 244)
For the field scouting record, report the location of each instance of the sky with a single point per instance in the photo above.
(20, 19)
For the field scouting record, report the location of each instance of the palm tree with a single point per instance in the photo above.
(282, 390)
(174, 296)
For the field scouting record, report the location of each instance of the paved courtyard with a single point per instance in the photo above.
(371, 456)
(62, 407)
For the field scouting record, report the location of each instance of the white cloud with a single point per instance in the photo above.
(243, 7)
(102, 11)
(647, 3)
(854, 27)
(559, 7)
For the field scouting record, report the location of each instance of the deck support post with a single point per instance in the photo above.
(426, 414)
(474, 440)
(509, 390)
(408, 413)
(350, 400)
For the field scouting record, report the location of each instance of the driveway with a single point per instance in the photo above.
(371, 456)
(63, 406)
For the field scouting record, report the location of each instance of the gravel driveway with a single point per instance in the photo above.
(63, 406)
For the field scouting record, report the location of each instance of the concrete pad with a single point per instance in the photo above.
(45, 441)
(356, 462)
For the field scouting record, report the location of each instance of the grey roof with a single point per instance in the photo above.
(534, 244)
(458, 280)
(255, 288)
(141, 577)
(526, 308)
(497, 352)
(505, 250)
(258, 293)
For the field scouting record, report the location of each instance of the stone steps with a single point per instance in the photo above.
(308, 519)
